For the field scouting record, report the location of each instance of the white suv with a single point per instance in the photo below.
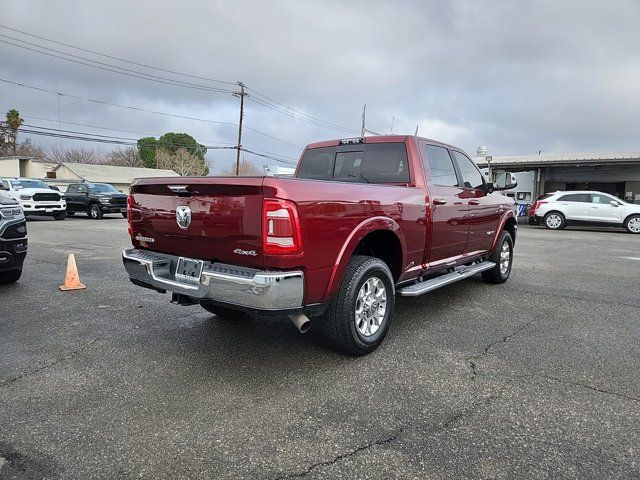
(35, 197)
(556, 210)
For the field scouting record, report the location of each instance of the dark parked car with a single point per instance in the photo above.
(95, 199)
(13, 240)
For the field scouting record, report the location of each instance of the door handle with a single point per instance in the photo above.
(439, 201)
(474, 202)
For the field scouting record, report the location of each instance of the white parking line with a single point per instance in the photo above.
(632, 258)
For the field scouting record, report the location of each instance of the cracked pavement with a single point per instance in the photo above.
(536, 378)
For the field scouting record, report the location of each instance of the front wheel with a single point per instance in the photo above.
(95, 213)
(632, 224)
(60, 215)
(124, 214)
(359, 316)
(503, 258)
(10, 276)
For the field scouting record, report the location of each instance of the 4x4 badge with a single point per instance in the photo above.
(183, 216)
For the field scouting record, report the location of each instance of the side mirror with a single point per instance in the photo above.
(614, 203)
(504, 181)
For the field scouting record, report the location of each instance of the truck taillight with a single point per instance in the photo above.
(280, 228)
(129, 214)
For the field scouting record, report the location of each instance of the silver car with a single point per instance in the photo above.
(556, 210)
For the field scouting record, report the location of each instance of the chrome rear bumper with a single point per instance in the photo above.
(228, 284)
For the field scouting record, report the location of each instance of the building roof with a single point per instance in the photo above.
(114, 174)
(561, 159)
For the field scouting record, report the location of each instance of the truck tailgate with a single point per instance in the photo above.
(225, 217)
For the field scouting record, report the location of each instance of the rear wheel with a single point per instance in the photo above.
(503, 258)
(554, 221)
(10, 276)
(359, 316)
(95, 213)
(60, 215)
(632, 224)
(222, 311)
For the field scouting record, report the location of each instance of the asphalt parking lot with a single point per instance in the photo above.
(536, 378)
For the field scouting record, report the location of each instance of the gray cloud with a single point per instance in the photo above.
(516, 76)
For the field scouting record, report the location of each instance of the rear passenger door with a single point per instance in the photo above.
(575, 206)
(449, 209)
(484, 209)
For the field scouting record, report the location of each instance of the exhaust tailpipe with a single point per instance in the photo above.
(301, 321)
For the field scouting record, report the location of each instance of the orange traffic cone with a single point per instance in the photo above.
(72, 280)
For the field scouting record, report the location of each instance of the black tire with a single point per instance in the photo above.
(94, 212)
(222, 311)
(496, 274)
(60, 215)
(124, 214)
(630, 224)
(10, 276)
(70, 214)
(554, 221)
(338, 323)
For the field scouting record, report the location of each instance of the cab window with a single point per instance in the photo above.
(440, 165)
(471, 176)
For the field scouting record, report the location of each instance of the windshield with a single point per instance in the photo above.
(103, 188)
(28, 184)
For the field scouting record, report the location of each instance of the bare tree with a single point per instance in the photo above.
(74, 155)
(26, 148)
(124, 157)
(182, 162)
(245, 170)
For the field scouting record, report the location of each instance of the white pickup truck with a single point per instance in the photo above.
(35, 197)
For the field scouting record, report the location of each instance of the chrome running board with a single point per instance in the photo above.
(458, 274)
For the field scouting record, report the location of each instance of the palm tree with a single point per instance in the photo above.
(13, 122)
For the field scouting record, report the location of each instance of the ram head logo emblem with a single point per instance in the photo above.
(183, 216)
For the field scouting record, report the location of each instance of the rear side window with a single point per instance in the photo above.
(471, 176)
(600, 198)
(72, 189)
(371, 163)
(440, 166)
(576, 197)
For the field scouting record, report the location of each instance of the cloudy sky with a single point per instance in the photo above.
(517, 76)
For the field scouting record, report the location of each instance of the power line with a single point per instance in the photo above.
(268, 156)
(117, 58)
(111, 68)
(261, 99)
(110, 129)
(139, 109)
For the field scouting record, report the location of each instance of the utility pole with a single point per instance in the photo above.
(416, 134)
(240, 94)
(393, 120)
(364, 111)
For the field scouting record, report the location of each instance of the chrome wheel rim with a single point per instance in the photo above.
(94, 212)
(554, 221)
(505, 257)
(634, 225)
(371, 306)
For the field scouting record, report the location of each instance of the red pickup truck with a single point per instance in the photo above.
(362, 221)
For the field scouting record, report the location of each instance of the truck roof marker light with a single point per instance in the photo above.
(348, 141)
(280, 228)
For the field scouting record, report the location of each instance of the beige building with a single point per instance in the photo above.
(62, 174)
